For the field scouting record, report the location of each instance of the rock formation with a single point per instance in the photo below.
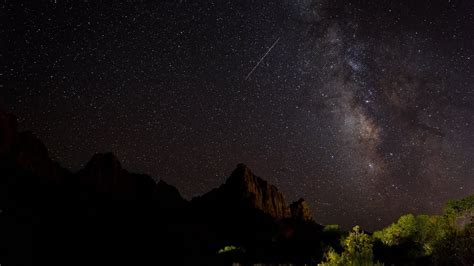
(25, 152)
(260, 193)
(116, 213)
(244, 188)
(300, 210)
(104, 174)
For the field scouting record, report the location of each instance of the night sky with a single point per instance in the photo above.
(365, 110)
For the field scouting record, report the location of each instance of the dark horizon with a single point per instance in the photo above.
(352, 106)
(224, 180)
(104, 214)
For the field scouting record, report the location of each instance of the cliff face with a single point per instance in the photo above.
(258, 192)
(300, 210)
(244, 188)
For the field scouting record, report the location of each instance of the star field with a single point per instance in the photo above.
(365, 110)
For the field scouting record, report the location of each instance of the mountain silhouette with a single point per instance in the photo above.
(244, 188)
(103, 214)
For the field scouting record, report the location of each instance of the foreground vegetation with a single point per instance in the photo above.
(446, 239)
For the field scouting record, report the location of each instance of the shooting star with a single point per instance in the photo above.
(261, 59)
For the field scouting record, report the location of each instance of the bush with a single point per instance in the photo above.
(357, 251)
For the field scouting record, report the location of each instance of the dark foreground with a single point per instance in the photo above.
(105, 215)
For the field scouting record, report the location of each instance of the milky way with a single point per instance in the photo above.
(365, 110)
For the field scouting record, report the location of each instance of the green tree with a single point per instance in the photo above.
(460, 212)
(394, 234)
(357, 251)
(436, 239)
(422, 230)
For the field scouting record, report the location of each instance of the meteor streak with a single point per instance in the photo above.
(261, 59)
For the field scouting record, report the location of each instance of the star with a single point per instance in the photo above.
(353, 96)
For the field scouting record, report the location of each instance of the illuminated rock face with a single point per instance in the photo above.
(300, 210)
(258, 192)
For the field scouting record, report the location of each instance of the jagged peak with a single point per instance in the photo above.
(243, 184)
(104, 160)
(104, 165)
(300, 210)
(300, 201)
(240, 173)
